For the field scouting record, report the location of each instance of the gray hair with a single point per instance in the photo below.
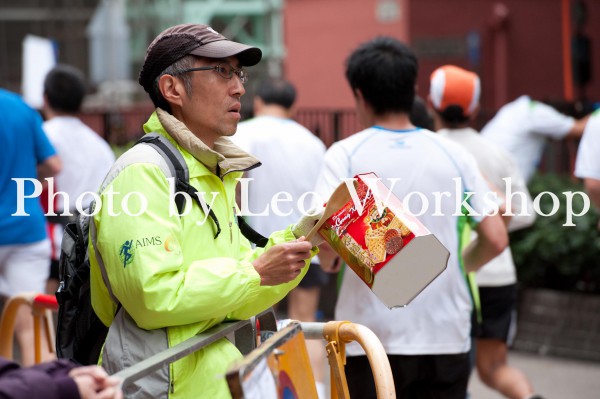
(176, 69)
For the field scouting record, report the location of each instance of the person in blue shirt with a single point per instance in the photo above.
(27, 158)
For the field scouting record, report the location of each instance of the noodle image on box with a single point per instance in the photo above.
(389, 249)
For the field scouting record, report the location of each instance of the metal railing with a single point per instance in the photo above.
(125, 125)
(330, 125)
(242, 333)
(336, 334)
(339, 333)
(120, 127)
(42, 307)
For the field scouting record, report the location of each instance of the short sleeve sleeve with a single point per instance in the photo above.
(547, 121)
(587, 164)
(43, 147)
(335, 167)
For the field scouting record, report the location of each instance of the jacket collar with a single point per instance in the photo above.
(224, 159)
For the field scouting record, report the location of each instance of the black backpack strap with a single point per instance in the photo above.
(174, 160)
(93, 237)
(185, 187)
(180, 171)
(251, 234)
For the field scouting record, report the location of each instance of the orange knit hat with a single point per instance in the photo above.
(451, 85)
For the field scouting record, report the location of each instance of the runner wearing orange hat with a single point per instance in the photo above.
(454, 96)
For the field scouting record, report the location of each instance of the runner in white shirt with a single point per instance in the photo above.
(587, 166)
(454, 96)
(86, 156)
(522, 128)
(291, 158)
(497, 165)
(428, 341)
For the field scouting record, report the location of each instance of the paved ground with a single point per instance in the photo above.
(554, 378)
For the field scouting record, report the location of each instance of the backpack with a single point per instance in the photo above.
(80, 333)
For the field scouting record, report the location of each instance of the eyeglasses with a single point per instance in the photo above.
(225, 70)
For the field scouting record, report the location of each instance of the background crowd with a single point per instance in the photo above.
(195, 77)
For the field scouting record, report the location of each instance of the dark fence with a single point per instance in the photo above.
(329, 125)
(120, 127)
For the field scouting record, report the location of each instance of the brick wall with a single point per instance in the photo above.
(559, 324)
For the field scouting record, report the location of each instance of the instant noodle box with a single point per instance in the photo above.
(388, 248)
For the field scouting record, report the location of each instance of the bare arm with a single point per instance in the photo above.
(329, 259)
(521, 202)
(50, 167)
(501, 202)
(592, 187)
(578, 128)
(491, 240)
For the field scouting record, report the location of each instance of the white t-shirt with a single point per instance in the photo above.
(521, 128)
(588, 154)
(291, 158)
(86, 158)
(496, 165)
(438, 320)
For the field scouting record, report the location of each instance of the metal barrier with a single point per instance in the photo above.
(279, 368)
(41, 306)
(244, 336)
(336, 333)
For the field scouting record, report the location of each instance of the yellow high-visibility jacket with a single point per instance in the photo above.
(173, 278)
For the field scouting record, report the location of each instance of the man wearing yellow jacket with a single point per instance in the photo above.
(178, 275)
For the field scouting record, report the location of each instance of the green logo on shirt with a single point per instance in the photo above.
(130, 247)
(126, 253)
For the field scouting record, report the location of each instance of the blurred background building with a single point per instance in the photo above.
(548, 49)
(539, 47)
(543, 48)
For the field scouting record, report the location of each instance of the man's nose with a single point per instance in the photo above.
(238, 86)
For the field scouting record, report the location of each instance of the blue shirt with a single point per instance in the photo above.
(24, 145)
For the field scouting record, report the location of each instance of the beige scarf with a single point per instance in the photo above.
(227, 155)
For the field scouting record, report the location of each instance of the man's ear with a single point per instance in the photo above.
(361, 102)
(358, 97)
(172, 89)
(45, 102)
(291, 111)
(47, 111)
